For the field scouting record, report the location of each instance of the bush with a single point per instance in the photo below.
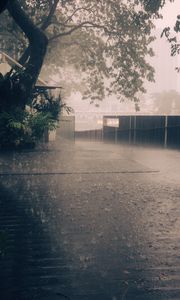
(23, 128)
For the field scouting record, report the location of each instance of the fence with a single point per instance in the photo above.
(155, 130)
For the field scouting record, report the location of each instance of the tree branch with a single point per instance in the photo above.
(38, 45)
(43, 27)
(86, 24)
(47, 21)
(76, 10)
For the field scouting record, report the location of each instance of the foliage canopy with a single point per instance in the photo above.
(107, 41)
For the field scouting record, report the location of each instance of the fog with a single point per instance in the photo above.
(167, 83)
(92, 212)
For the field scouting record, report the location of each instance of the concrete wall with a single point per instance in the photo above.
(66, 128)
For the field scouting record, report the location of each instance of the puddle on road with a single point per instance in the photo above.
(103, 230)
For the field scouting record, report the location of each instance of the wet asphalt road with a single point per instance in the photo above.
(90, 221)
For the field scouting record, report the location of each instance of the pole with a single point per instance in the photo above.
(130, 130)
(134, 141)
(166, 132)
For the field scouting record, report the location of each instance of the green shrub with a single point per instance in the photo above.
(24, 127)
(20, 128)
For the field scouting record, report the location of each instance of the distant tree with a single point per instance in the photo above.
(166, 102)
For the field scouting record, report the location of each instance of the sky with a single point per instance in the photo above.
(169, 12)
(166, 76)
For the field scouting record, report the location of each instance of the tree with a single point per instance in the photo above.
(172, 37)
(16, 89)
(153, 6)
(20, 126)
(107, 41)
(166, 102)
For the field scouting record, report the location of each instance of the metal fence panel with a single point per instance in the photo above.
(151, 130)
(173, 131)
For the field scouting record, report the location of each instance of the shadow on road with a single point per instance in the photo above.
(31, 263)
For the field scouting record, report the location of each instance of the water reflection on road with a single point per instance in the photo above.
(91, 221)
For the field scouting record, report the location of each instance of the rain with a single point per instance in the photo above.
(90, 210)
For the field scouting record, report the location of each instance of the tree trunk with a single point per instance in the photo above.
(16, 90)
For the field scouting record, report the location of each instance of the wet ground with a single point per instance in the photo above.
(90, 221)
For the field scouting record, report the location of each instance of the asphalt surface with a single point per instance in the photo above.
(90, 221)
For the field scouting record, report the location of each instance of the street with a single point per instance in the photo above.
(90, 221)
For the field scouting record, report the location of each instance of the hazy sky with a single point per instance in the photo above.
(166, 76)
(169, 12)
